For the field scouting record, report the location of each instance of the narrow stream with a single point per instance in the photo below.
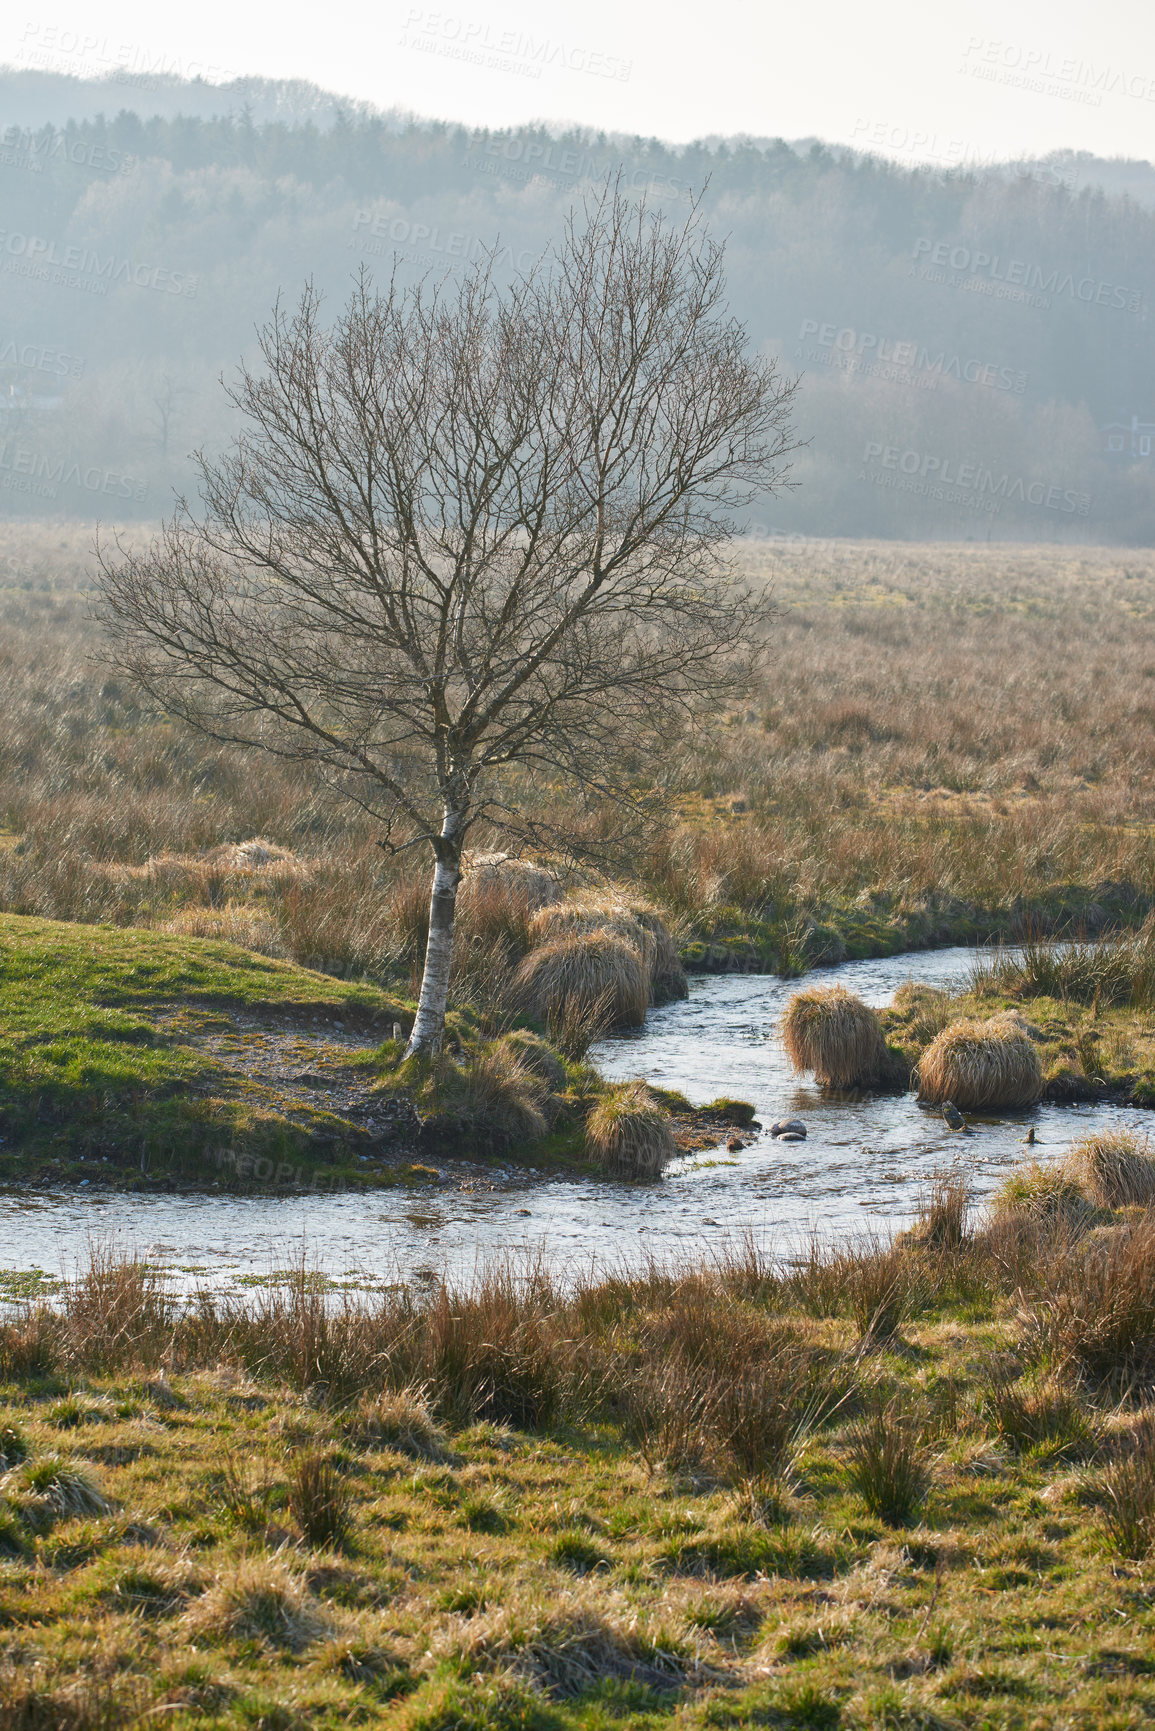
(861, 1168)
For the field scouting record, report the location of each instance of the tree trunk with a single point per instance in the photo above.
(429, 1024)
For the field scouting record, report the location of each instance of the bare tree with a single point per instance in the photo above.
(165, 403)
(472, 533)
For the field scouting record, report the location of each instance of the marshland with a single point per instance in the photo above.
(854, 1431)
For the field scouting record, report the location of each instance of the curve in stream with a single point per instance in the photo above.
(861, 1167)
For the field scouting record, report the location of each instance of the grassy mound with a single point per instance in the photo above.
(522, 880)
(982, 1066)
(833, 1033)
(1113, 1169)
(483, 1100)
(586, 976)
(114, 1055)
(635, 922)
(628, 1133)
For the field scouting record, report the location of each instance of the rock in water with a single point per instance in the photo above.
(792, 1127)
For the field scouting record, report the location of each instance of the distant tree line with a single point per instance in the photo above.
(965, 338)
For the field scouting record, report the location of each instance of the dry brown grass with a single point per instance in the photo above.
(634, 922)
(236, 923)
(884, 780)
(628, 1133)
(262, 1599)
(567, 1643)
(1113, 1169)
(583, 972)
(524, 881)
(981, 1066)
(831, 1032)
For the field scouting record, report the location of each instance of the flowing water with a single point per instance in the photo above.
(861, 1168)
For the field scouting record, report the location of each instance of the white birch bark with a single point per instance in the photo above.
(429, 1024)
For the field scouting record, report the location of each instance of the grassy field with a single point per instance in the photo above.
(947, 742)
(906, 1488)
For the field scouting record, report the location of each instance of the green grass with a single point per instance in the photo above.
(156, 1562)
(103, 1056)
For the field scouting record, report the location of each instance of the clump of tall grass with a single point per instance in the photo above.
(493, 1352)
(628, 1134)
(1117, 967)
(527, 882)
(581, 972)
(944, 1212)
(259, 1598)
(536, 1054)
(828, 1030)
(889, 1465)
(981, 1066)
(319, 1498)
(1093, 1307)
(1045, 1415)
(114, 1310)
(1128, 1492)
(1113, 1169)
(633, 921)
(399, 1419)
(1047, 1197)
(881, 1284)
(489, 1095)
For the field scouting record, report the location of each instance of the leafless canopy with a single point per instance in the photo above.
(469, 528)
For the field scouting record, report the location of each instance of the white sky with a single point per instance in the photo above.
(911, 79)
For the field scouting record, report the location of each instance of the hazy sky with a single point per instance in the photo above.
(908, 78)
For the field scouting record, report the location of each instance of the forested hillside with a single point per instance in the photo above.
(965, 338)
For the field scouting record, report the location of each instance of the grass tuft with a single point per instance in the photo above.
(829, 1031)
(582, 973)
(889, 1466)
(628, 1134)
(981, 1066)
(259, 1599)
(319, 1498)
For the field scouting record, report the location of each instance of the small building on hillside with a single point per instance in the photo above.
(1134, 440)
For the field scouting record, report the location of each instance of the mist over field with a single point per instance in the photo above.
(975, 339)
